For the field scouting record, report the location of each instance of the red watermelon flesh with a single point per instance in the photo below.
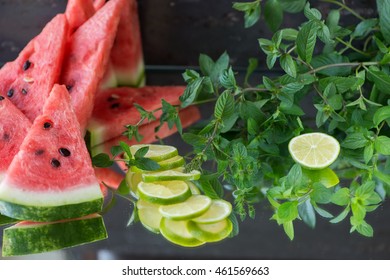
(87, 58)
(14, 126)
(28, 80)
(51, 177)
(126, 54)
(107, 177)
(77, 12)
(188, 116)
(97, 4)
(114, 108)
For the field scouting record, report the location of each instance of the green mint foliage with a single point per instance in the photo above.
(252, 11)
(102, 160)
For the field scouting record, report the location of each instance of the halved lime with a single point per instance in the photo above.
(210, 232)
(156, 152)
(194, 189)
(171, 163)
(218, 211)
(166, 192)
(193, 207)
(325, 176)
(177, 233)
(314, 150)
(169, 175)
(149, 215)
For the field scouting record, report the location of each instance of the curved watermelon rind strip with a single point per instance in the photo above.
(50, 213)
(44, 237)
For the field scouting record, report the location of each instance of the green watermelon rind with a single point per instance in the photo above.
(46, 237)
(50, 213)
(129, 77)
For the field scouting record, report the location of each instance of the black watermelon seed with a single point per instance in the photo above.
(39, 152)
(2, 97)
(55, 163)
(69, 87)
(26, 65)
(47, 125)
(24, 91)
(115, 105)
(10, 93)
(6, 137)
(64, 152)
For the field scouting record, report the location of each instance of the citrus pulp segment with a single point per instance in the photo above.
(210, 232)
(167, 192)
(149, 215)
(177, 233)
(193, 207)
(218, 211)
(314, 150)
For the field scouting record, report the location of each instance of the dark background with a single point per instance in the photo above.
(174, 33)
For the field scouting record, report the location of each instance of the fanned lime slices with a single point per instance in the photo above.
(163, 193)
(171, 163)
(210, 232)
(149, 215)
(169, 175)
(314, 150)
(218, 211)
(177, 232)
(156, 152)
(193, 207)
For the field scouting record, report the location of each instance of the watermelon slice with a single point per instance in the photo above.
(77, 12)
(51, 177)
(126, 54)
(13, 128)
(188, 116)
(32, 237)
(27, 81)
(114, 108)
(87, 58)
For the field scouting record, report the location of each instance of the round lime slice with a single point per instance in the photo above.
(169, 175)
(177, 233)
(210, 232)
(314, 150)
(156, 152)
(149, 215)
(193, 207)
(133, 179)
(166, 192)
(218, 211)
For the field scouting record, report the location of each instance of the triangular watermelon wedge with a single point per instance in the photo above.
(77, 12)
(87, 58)
(14, 126)
(51, 178)
(27, 81)
(114, 108)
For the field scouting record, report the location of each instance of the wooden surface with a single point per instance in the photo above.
(174, 33)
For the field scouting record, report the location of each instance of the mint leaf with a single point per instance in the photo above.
(307, 213)
(381, 115)
(289, 229)
(102, 160)
(382, 145)
(341, 216)
(312, 13)
(123, 188)
(306, 40)
(252, 12)
(288, 211)
(384, 18)
(381, 79)
(292, 6)
(321, 194)
(341, 197)
(288, 65)
(273, 14)
(146, 164)
(224, 108)
(206, 64)
(354, 141)
(331, 58)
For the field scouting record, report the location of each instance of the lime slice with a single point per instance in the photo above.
(167, 192)
(171, 163)
(218, 211)
(210, 232)
(194, 189)
(149, 215)
(325, 176)
(156, 152)
(314, 150)
(193, 207)
(177, 233)
(133, 179)
(169, 175)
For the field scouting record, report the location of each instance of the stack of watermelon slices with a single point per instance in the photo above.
(50, 95)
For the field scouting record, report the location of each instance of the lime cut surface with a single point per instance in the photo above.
(177, 233)
(193, 207)
(149, 215)
(314, 150)
(166, 192)
(218, 211)
(169, 175)
(210, 232)
(156, 152)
